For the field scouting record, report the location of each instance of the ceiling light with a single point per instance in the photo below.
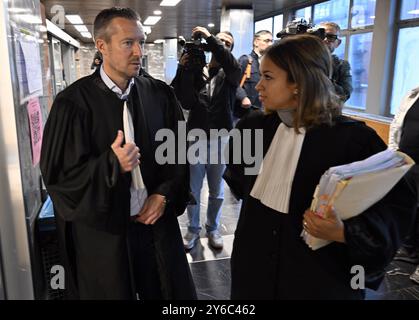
(74, 18)
(159, 41)
(211, 25)
(169, 3)
(152, 20)
(81, 28)
(157, 12)
(86, 35)
(416, 11)
(372, 17)
(147, 29)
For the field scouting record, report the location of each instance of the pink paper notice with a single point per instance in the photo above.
(35, 123)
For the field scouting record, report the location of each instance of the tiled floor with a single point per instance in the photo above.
(211, 268)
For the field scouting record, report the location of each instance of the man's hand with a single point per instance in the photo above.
(246, 104)
(153, 209)
(205, 33)
(329, 227)
(128, 155)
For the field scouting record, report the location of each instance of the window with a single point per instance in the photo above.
(362, 13)
(265, 24)
(405, 68)
(304, 13)
(333, 10)
(278, 24)
(340, 51)
(410, 9)
(359, 58)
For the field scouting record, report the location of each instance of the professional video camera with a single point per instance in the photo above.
(195, 48)
(299, 26)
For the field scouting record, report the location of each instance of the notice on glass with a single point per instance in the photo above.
(33, 68)
(35, 124)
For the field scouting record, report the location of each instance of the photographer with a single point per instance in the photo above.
(211, 104)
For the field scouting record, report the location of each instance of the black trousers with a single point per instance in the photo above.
(411, 242)
(100, 265)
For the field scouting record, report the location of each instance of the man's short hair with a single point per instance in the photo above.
(261, 33)
(105, 17)
(332, 25)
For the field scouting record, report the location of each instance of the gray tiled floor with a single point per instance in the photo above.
(211, 268)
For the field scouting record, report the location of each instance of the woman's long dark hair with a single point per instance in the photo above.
(308, 63)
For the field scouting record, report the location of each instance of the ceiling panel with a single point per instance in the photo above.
(175, 21)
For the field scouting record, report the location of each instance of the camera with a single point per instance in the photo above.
(195, 48)
(300, 26)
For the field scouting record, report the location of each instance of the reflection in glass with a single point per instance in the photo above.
(333, 10)
(406, 76)
(265, 24)
(410, 9)
(340, 51)
(359, 58)
(363, 13)
(304, 13)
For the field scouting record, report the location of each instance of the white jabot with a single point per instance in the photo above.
(138, 190)
(274, 182)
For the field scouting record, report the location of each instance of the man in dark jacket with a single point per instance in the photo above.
(209, 93)
(246, 95)
(342, 78)
(116, 217)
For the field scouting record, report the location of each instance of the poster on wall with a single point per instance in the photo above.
(28, 65)
(35, 125)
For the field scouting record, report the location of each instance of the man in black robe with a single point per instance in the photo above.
(118, 241)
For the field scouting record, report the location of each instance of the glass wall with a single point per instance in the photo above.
(405, 69)
(362, 13)
(304, 13)
(278, 24)
(410, 9)
(359, 59)
(333, 10)
(265, 24)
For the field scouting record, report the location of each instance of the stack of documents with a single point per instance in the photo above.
(354, 187)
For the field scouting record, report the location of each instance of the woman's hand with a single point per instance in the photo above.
(329, 227)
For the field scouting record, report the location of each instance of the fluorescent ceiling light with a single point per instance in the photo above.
(81, 28)
(211, 25)
(147, 29)
(169, 3)
(74, 18)
(416, 11)
(152, 20)
(157, 12)
(86, 35)
(159, 41)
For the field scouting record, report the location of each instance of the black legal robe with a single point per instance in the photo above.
(270, 260)
(83, 178)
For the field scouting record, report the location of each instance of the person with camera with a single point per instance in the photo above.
(209, 92)
(246, 96)
(341, 76)
(304, 134)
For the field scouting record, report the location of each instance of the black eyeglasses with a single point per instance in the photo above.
(331, 37)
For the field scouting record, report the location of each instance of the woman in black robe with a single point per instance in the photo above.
(270, 260)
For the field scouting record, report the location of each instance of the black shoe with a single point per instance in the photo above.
(406, 256)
